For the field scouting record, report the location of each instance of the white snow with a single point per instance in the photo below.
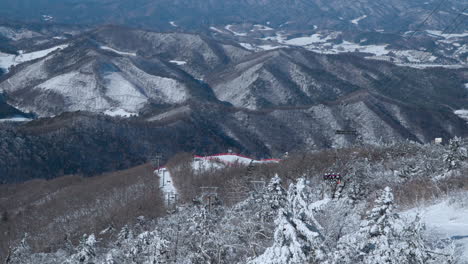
(8, 60)
(248, 46)
(202, 165)
(217, 30)
(118, 112)
(16, 119)
(446, 219)
(178, 62)
(303, 41)
(222, 160)
(171, 113)
(462, 113)
(118, 52)
(447, 36)
(166, 184)
(47, 17)
(269, 47)
(228, 28)
(262, 27)
(356, 21)
(124, 92)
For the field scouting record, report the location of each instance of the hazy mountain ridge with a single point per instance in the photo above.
(195, 14)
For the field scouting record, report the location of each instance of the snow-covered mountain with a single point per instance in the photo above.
(91, 75)
(252, 101)
(336, 14)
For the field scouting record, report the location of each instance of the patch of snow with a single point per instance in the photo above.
(124, 92)
(118, 112)
(219, 161)
(118, 52)
(346, 46)
(248, 46)
(356, 21)
(200, 165)
(8, 60)
(47, 17)
(217, 30)
(319, 204)
(228, 28)
(462, 113)
(304, 41)
(16, 119)
(262, 27)
(428, 65)
(445, 219)
(439, 33)
(170, 113)
(178, 62)
(236, 158)
(269, 47)
(166, 184)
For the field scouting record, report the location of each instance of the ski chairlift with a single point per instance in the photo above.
(346, 132)
(332, 177)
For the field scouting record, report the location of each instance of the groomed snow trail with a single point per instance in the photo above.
(446, 220)
(219, 161)
(166, 185)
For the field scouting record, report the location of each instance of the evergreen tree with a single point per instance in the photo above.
(455, 153)
(271, 200)
(383, 238)
(85, 250)
(21, 252)
(297, 237)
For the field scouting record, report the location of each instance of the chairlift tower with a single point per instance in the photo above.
(208, 195)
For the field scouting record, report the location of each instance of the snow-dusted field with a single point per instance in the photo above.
(8, 60)
(303, 41)
(118, 112)
(446, 220)
(16, 119)
(356, 21)
(178, 62)
(239, 34)
(222, 160)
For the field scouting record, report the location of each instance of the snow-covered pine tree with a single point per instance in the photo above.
(125, 234)
(149, 248)
(272, 199)
(297, 237)
(275, 195)
(85, 250)
(21, 252)
(455, 153)
(383, 238)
